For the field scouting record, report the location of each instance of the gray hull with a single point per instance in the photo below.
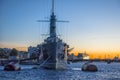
(56, 66)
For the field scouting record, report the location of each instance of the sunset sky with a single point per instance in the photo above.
(94, 25)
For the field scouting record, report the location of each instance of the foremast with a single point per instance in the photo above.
(52, 22)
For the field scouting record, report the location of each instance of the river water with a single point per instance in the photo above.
(105, 72)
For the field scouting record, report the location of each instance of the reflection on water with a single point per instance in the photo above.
(106, 72)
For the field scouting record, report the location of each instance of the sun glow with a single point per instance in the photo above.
(94, 54)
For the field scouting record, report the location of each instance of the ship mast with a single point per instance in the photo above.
(52, 22)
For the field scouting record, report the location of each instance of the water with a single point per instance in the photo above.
(105, 72)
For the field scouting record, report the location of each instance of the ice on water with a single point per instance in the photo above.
(105, 72)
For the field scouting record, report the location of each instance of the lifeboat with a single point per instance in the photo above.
(89, 67)
(12, 66)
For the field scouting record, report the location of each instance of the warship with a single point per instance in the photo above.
(53, 50)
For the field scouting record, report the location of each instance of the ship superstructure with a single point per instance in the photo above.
(53, 49)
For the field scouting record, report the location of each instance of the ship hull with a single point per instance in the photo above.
(55, 66)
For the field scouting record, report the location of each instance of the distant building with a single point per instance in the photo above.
(7, 50)
(71, 56)
(34, 51)
(4, 52)
(23, 54)
(80, 56)
(116, 59)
